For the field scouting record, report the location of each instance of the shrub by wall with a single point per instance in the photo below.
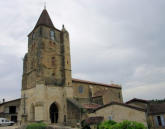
(122, 125)
(36, 126)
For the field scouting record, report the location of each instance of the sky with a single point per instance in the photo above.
(112, 41)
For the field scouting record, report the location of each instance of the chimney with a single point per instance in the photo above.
(3, 100)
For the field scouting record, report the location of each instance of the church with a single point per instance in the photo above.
(50, 94)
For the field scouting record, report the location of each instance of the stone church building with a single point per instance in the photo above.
(50, 94)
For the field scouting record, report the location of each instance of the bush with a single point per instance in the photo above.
(122, 125)
(36, 126)
(106, 124)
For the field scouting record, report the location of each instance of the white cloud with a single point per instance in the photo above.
(145, 91)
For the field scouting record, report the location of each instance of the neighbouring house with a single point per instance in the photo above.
(119, 111)
(155, 112)
(10, 109)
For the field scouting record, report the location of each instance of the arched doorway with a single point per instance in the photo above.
(53, 113)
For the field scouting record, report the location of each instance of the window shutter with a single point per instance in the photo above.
(16, 109)
(110, 117)
(7, 110)
(162, 120)
(156, 121)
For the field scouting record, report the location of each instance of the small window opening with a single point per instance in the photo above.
(12, 109)
(53, 74)
(110, 117)
(33, 36)
(32, 65)
(53, 61)
(119, 95)
(40, 31)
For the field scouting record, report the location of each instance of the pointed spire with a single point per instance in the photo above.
(44, 19)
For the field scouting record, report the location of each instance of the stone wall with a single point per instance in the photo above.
(111, 94)
(47, 60)
(119, 113)
(139, 104)
(73, 114)
(42, 96)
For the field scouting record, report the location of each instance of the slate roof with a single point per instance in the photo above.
(157, 108)
(96, 83)
(153, 108)
(44, 19)
(138, 100)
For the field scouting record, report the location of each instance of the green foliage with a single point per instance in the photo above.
(36, 126)
(106, 124)
(122, 125)
(157, 101)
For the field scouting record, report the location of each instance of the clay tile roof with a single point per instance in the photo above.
(19, 99)
(91, 106)
(96, 83)
(121, 104)
(93, 120)
(99, 93)
(44, 19)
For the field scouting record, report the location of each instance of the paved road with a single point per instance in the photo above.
(9, 127)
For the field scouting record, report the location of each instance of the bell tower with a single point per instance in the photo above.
(48, 58)
(46, 78)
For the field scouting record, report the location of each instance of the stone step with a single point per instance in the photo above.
(60, 126)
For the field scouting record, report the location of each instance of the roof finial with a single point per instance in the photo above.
(63, 27)
(45, 5)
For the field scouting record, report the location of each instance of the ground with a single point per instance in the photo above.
(9, 127)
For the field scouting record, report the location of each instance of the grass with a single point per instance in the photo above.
(36, 126)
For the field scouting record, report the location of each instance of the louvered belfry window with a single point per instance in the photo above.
(52, 35)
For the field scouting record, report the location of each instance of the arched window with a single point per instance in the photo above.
(53, 61)
(52, 35)
(80, 88)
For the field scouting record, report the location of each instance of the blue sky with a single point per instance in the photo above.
(119, 41)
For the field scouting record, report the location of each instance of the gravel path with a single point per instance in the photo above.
(9, 127)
